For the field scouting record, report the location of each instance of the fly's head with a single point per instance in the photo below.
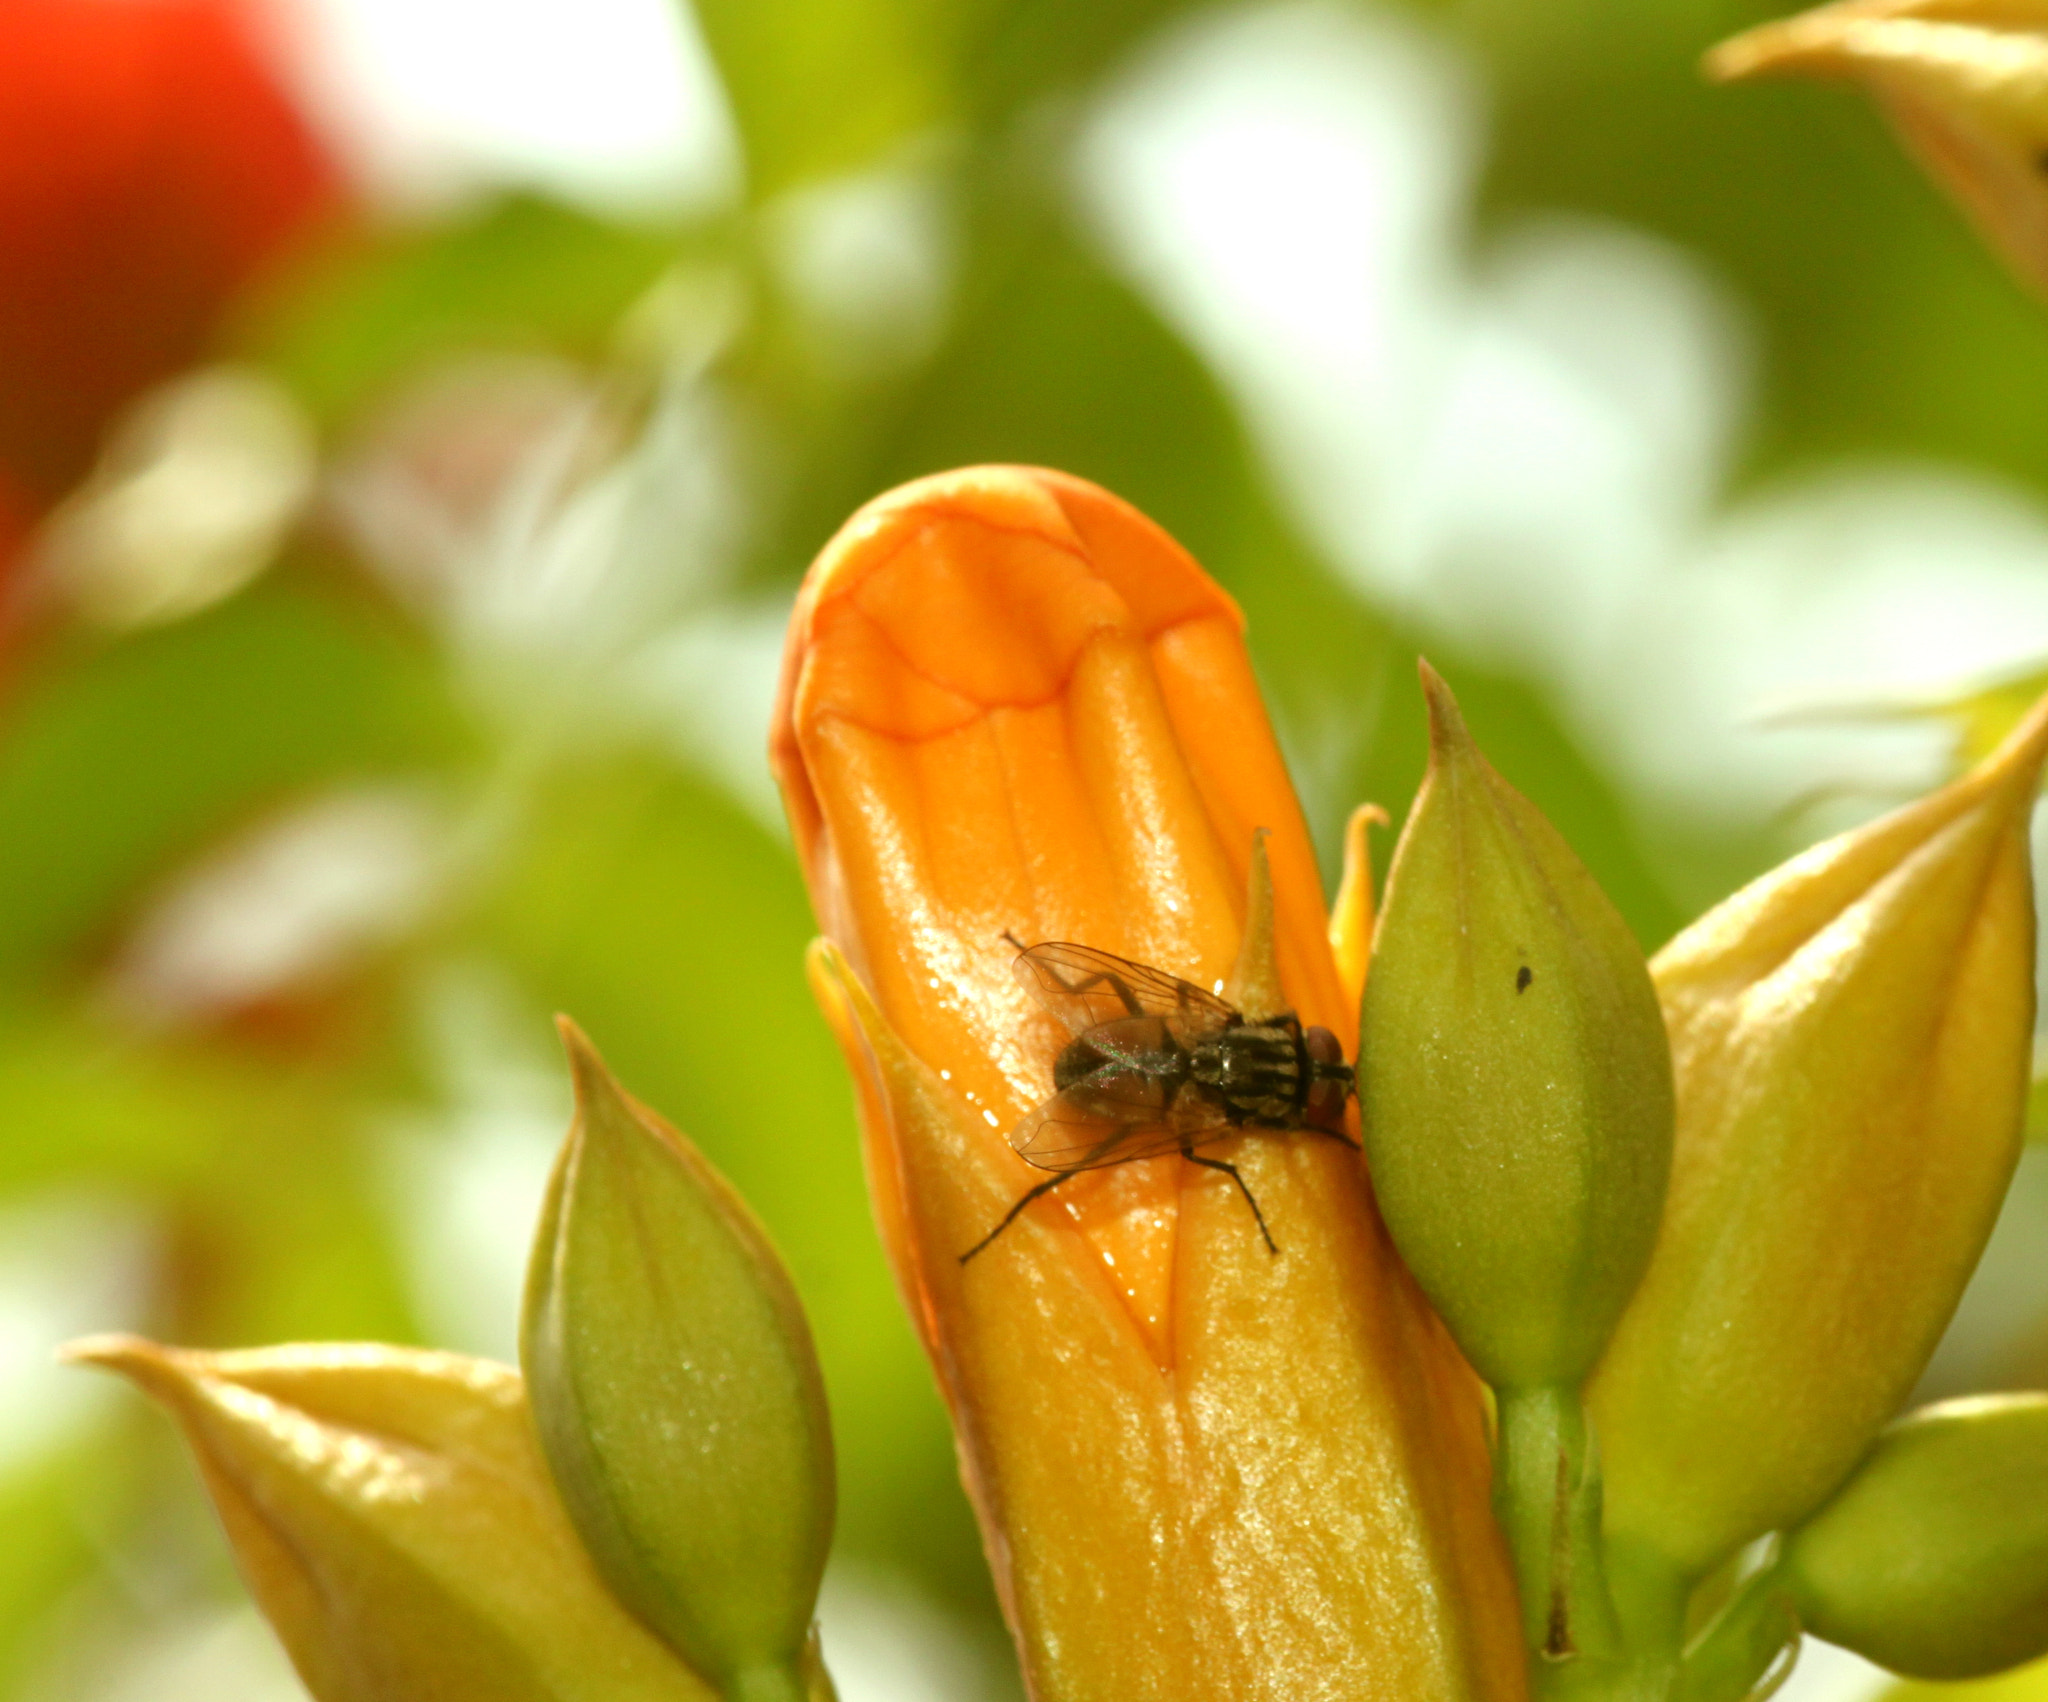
(1331, 1081)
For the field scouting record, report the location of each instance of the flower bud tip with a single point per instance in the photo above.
(1760, 52)
(1352, 916)
(149, 1365)
(674, 1387)
(1446, 721)
(115, 1351)
(2020, 754)
(591, 1082)
(1254, 984)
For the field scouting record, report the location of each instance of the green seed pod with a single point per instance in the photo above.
(393, 1518)
(677, 1395)
(1514, 1074)
(1933, 1558)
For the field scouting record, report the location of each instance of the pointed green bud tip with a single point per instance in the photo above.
(1933, 1558)
(677, 1395)
(1514, 1073)
(393, 1518)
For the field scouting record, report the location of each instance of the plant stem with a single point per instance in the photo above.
(1547, 1495)
(1746, 1646)
(1650, 1602)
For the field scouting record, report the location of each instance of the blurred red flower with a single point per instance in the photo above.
(150, 166)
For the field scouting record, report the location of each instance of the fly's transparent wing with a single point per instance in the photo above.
(1113, 1118)
(1086, 988)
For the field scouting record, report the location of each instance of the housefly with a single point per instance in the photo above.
(1157, 1065)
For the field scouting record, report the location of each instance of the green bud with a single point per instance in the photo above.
(677, 1395)
(1516, 1087)
(1933, 1558)
(1514, 1074)
(393, 1518)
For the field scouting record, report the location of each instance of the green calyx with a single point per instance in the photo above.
(1514, 1074)
(677, 1396)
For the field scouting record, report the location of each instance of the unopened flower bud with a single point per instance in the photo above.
(1516, 1087)
(1933, 1558)
(1012, 706)
(1514, 1074)
(1852, 1037)
(1964, 81)
(394, 1519)
(677, 1394)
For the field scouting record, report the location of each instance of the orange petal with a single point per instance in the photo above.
(1011, 703)
(1352, 916)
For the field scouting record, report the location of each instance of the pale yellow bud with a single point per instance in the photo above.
(391, 1514)
(1852, 1038)
(1965, 82)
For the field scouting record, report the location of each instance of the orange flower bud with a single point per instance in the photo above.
(1010, 703)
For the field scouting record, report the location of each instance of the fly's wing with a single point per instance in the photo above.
(1086, 988)
(1113, 1117)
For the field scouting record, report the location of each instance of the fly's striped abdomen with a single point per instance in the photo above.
(1257, 1071)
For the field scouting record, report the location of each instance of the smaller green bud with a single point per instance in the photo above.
(1933, 1558)
(1516, 1088)
(677, 1395)
(1514, 1073)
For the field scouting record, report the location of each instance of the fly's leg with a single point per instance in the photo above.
(1231, 1171)
(1010, 1216)
(1123, 991)
(1116, 982)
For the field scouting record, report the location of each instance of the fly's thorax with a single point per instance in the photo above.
(1257, 1069)
(1078, 1060)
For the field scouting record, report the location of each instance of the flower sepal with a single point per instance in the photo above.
(392, 1515)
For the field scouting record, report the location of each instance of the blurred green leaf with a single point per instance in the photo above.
(1887, 326)
(525, 273)
(823, 86)
(272, 1219)
(118, 760)
(1015, 52)
(2037, 1105)
(50, 1507)
(1053, 362)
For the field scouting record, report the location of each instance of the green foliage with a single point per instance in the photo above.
(823, 86)
(121, 760)
(524, 274)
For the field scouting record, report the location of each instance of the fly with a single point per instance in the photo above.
(1157, 1065)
